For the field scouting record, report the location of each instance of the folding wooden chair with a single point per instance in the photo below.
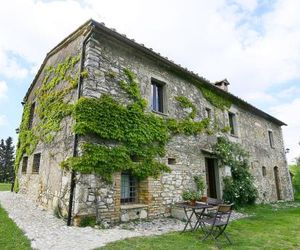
(215, 227)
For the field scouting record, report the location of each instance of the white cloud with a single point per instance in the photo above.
(260, 97)
(289, 113)
(10, 68)
(3, 90)
(3, 120)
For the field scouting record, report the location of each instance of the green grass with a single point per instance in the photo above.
(11, 237)
(269, 227)
(5, 186)
(296, 180)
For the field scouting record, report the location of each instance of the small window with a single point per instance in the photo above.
(264, 171)
(128, 188)
(157, 96)
(232, 123)
(171, 161)
(271, 139)
(36, 163)
(24, 164)
(31, 115)
(208, 113)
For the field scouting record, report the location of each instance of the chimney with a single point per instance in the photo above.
(223, 84)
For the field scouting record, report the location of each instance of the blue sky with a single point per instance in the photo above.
(254, 44)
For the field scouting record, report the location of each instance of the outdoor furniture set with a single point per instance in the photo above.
(211, 216)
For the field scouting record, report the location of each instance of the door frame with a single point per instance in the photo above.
(216, 175)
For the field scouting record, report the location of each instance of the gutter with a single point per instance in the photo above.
(75, 153)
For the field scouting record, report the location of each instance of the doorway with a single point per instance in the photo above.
(211, 178)
(277, 183)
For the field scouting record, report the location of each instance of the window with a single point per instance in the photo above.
(208, 113)
(264, 171)
(232, 123)
(24, 164)
(31, 115)
(271, 139)
(171, 161)
(128, 188)
(36, 163)
(157, 96)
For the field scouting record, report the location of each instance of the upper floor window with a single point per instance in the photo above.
(208, 113)
(31, 115)
(128, 188)
(157, 96)
(36, 163)
(271, 139)
(264, 171)
(232, 123)
(24, 164)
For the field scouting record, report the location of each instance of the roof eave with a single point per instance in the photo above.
(132, 43)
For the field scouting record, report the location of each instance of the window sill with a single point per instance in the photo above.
(159, 113)
(234, 135)
(133, 206)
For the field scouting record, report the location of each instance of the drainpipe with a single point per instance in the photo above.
(73, 173)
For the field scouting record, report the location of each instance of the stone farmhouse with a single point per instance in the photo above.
(89, 64)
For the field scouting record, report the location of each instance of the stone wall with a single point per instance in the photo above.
(105, 61)
(50, 187)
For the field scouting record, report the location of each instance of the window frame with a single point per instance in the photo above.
(131, 189)
(24, 168)
(36, 165)
(264, 171)
(208, 112)
(158, 96)
(232, 120)
(271, 138)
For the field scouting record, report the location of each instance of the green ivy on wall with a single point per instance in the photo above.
(132, 138)
(238, 188)
(186, 103)
(215, 99)
(52, 106)
(138, 137)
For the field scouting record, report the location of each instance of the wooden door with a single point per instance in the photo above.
(211, 178)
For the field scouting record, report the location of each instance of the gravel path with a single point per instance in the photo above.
(48, 232)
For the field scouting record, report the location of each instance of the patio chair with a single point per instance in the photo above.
(215, 227)
(210, 212)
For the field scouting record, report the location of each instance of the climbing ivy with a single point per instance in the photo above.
(138, 137)
(214, 98)
(188, 127)
(186, 103)
(132, 138)
(239, 187)
(52, 106)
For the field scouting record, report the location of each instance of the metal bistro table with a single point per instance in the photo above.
(197, 210)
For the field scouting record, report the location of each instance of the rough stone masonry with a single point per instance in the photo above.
(105, 54)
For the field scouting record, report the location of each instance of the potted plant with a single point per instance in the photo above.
(200, 184)
(191, 196)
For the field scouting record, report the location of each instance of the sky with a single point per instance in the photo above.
(255, 44)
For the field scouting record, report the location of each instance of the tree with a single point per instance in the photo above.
(6, 160)
(2, 156)
(10, 160)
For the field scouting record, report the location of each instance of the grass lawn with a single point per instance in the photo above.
(5, 186)
(267, 228)
(11, 237)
